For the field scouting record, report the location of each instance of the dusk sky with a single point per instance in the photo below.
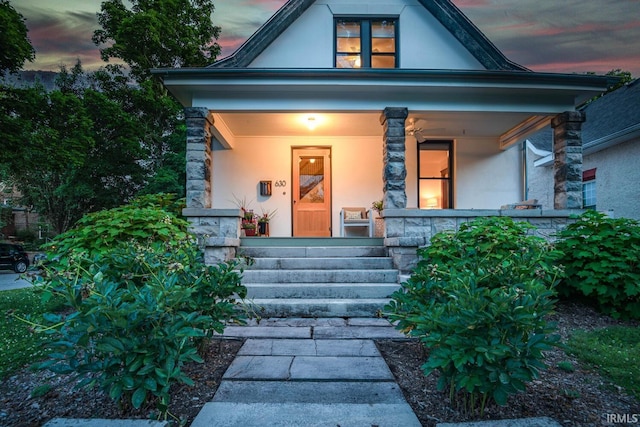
(566, 36)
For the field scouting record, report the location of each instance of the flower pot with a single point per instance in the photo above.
(378, 229)
(249, 232)
(263, 228)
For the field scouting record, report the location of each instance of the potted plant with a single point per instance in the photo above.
(248, 219)
(249, 228)
(263, 221)
(378, 230)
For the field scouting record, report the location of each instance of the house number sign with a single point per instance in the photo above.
(281, 183)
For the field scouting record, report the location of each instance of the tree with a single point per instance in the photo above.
(71, 151)
(15, 47)
(157, 33)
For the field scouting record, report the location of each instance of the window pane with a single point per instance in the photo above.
(383, 29)
(434, 194)
(383, 45)
(383, 61)
(348, 45)
(348, 29)
(311, 179)
(348, 61)
(589, 195)
(434, 163)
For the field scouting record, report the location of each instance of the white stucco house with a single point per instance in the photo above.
(611, 152)
(336, 103)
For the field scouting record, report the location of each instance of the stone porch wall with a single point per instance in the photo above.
(218, 232)
(409, 229)
(406, 230)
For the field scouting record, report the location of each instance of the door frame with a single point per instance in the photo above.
(294, 190)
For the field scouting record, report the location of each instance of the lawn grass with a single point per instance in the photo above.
(19, 344)
(614, 351)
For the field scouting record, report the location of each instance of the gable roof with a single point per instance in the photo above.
(611, 119)
(443, 10)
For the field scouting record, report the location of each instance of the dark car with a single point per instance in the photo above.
(13, 257)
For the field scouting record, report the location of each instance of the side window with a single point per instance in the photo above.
(589, 189)
(435, 174)
(366, 43)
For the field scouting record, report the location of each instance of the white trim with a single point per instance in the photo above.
(222, 133)
(517, 133)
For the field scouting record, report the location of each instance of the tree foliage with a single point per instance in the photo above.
(157, 33)
(15, 47)
(72, 150)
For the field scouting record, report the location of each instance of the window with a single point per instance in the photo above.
(366, 43)
(435, 169)
(589, 189)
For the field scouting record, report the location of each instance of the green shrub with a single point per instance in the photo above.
(143, 220)
(601, 258)
(478, 300)
(141, 302)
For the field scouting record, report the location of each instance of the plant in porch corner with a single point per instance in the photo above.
(263, 220)
(378, 206)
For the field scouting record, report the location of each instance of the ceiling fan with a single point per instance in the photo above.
(414, 129)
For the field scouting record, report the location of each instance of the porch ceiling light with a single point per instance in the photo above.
(311, 123)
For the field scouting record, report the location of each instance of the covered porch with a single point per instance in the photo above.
(245, 125)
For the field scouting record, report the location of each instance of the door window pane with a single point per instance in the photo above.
(311, 179)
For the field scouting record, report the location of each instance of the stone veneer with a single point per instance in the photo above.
(199, 157)
(217, 230)
(406, 230)
(393, 156)
(567, 165)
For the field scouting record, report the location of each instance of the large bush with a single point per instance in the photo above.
(141, 302)
(601, 257)
(478, 300)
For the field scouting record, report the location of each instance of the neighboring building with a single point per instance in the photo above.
(611, 152)
(15, 218)
(339, 104)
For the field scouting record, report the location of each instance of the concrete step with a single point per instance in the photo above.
(318, 307)
(319, 276)
(327, 263)
(312, 251)
(320, 290)
(231, 414)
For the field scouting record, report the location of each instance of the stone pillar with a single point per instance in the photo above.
(394, 166)
(199, 157)
(567, 166)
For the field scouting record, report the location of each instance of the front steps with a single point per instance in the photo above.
(340, 277)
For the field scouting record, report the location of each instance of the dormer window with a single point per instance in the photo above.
(366, 43)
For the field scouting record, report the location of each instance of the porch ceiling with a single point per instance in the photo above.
(328, 124)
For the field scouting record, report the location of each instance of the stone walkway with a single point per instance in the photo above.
(309, 372)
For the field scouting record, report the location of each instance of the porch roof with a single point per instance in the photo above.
(519, 102)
